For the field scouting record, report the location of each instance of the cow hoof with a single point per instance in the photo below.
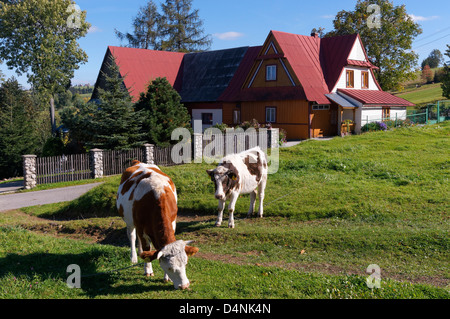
(230, 226)
(150, 275)
(218, 224)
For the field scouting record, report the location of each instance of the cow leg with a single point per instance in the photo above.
(252, 204)
(131, 232)
(233, 199)
(261, 188)
(220, 212)
(148, 269)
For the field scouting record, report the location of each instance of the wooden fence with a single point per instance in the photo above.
(63, 168)
(114, 162)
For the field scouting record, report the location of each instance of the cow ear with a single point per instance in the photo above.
(210, 172)
(135, 162)
(232, 175)
(190, 251)
(148, 256)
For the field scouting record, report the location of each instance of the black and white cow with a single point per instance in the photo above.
(237, 174)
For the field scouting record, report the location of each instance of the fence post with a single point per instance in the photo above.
(96, 162)
(149, 153)
(426, 115)
(197, 147)
(29, 171)
(273, 138)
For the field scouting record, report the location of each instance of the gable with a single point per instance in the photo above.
(271, 56)
(357, 53)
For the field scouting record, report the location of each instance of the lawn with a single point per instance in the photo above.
(428, 93)
(332, 209)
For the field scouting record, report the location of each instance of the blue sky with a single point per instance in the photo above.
(235, 23)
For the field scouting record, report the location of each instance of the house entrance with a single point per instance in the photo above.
(324, 120)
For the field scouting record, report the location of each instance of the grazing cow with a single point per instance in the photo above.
(236, 174)
(147, 202)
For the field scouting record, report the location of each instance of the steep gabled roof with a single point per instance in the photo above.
(303, 55)
(206, 75)
(142, 66)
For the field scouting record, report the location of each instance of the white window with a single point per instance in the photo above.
(320, 107)
(271, 114)
(271, 73)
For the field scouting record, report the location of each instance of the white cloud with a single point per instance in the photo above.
(421, 18)
(94, 29)
(231, 35)
(328, 16)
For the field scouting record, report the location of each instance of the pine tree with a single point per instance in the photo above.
(427, 74)
(17, 136)
(446, 77)
(162, 112)
(114, 124)
(182, 28)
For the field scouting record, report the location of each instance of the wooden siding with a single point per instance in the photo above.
(290, 115)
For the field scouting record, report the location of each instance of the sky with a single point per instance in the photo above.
(235, 23)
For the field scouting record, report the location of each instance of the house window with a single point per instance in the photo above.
(236, 117)
(350, 78)
(271, 114)
(320, 107)
(386, 114)
(365, 79)
(271, 73)
(207, 118)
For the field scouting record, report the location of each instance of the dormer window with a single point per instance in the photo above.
(365, 79)
(271, 73)
(350, 79)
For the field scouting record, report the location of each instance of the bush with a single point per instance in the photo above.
(374, 126)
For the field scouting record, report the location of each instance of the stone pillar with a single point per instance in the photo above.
(273, 138)
(149, 153)
(29, 171)
(197, 142)
(96, 162)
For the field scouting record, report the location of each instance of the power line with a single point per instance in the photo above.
(427, 37)
(432, 41)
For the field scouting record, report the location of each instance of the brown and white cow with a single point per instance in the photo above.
(236, 174)
(147, 202)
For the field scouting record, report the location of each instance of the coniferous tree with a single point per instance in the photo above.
(182, 28)
(17, 134)
(115, 124)
(162, 112)
(446, 76)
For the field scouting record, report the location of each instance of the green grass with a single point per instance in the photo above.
(333, 208)
(425, 94)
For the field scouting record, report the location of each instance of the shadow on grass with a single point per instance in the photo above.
(93, 282)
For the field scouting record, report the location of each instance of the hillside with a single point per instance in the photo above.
(333, 208)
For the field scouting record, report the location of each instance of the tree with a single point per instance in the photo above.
(427, 74)
(17, 129)
(110, 124)
(446, 78)
(434, 59)
(162, 112)
(39, 38)
(146, 29)
(181, 28)
(387, 44)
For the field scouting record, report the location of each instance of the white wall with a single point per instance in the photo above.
(342, 83)
(357, 52)
(217, 116)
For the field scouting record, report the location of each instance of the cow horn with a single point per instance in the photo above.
(188, 242)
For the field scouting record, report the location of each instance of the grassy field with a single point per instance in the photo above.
(333, 208)
(428, 93)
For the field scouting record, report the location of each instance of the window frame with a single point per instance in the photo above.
(274, 109)
(204, 114)
(347, 78)
(364, 79)
(275, 72)
(321, 107)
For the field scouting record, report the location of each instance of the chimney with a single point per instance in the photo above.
(314, 34)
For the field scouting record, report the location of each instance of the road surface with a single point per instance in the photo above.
(56, 195)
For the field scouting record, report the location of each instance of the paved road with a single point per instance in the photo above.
(19, 200)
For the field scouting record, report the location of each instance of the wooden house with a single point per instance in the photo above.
(306, 85)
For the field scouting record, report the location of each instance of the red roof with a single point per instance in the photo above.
(372, 97)
(303, 54)
(362, 63)
(140, 66)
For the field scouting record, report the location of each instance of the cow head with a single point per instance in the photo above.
(173, 259)
(225, 180)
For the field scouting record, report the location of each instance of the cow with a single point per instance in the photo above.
(236, 174)
(147, 202)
